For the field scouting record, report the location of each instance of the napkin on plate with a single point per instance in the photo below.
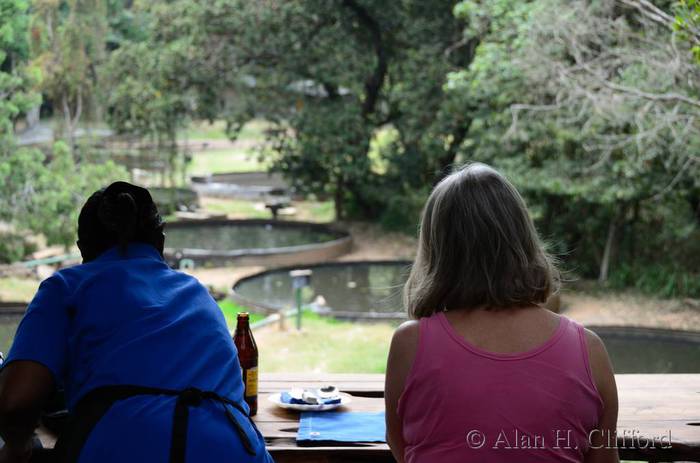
(311, 396)
(328, 428)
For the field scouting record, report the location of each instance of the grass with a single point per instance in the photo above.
(17, 289)
(203, 130)
(231, 310)
(324, 345)
(236, 208)
(216, 161)
(237, 158)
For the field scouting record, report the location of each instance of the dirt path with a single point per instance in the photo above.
(632, 309)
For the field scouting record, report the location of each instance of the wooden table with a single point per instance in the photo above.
(651, 406)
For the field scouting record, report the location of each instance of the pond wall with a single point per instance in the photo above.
(303, 254)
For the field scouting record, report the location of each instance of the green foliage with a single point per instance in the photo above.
(143, 101)
(589, 107)
(14, 247)
(63, 188)
(44, 196)
(589, 154)
(68, 41)
(687, 21)
(16, 79)
(147, 98)
(329, 76)
(664, 280)
(127, 23)
(402, 212)
(370, 104)
(13, 30)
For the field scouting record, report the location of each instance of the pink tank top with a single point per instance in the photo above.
(464, 404)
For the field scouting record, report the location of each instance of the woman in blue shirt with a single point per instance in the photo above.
(149, 369)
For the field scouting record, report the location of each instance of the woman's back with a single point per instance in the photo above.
(521, 391)
(136, 321)
(131, 320)
(524, 380)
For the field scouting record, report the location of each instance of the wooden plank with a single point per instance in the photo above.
(651, 405)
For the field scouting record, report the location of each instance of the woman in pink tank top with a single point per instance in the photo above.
(484, 373)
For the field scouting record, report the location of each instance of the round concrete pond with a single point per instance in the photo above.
(253, 242)
(350, 290)
(651, 350)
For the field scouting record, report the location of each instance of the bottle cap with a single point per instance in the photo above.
(242, 314)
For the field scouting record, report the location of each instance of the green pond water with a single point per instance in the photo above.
(244, 236)
(357, 288)
(642, 354)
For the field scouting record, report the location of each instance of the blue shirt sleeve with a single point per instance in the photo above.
(42, 334)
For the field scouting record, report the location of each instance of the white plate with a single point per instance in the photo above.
(276, 399)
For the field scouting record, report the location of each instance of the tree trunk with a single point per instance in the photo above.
(338, 200)
(605, 262)
(72, 118)
(609, 243)
(374, 82)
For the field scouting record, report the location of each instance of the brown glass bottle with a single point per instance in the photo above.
(248, 358)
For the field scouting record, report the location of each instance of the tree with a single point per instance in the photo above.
(330, 76)
(148, 98)
(69, 46)
(604, 138)
(687, 21)
(63, 186)
(39, 194)
(17, 166)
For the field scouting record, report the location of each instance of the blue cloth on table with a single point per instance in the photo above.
(329, 427)
(287, 398)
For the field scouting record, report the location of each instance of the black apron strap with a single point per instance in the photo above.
(96, 403)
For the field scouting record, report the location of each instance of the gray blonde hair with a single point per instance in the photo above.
(478, 247)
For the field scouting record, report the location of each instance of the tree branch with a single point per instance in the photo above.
(373, 84)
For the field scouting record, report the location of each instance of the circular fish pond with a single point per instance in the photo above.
(651, 350)
(348, 290)
(253, 242)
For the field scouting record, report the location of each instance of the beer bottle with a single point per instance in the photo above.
(248, 358)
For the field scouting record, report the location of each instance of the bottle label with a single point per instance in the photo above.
(250, 378)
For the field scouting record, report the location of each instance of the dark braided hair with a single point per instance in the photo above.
(118, 215)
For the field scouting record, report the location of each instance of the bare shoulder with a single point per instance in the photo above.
(601, 367)
(596, 347)
(402, 353)
(407, 329)
(406, 335)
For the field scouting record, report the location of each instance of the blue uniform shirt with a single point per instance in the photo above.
(132, 320)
